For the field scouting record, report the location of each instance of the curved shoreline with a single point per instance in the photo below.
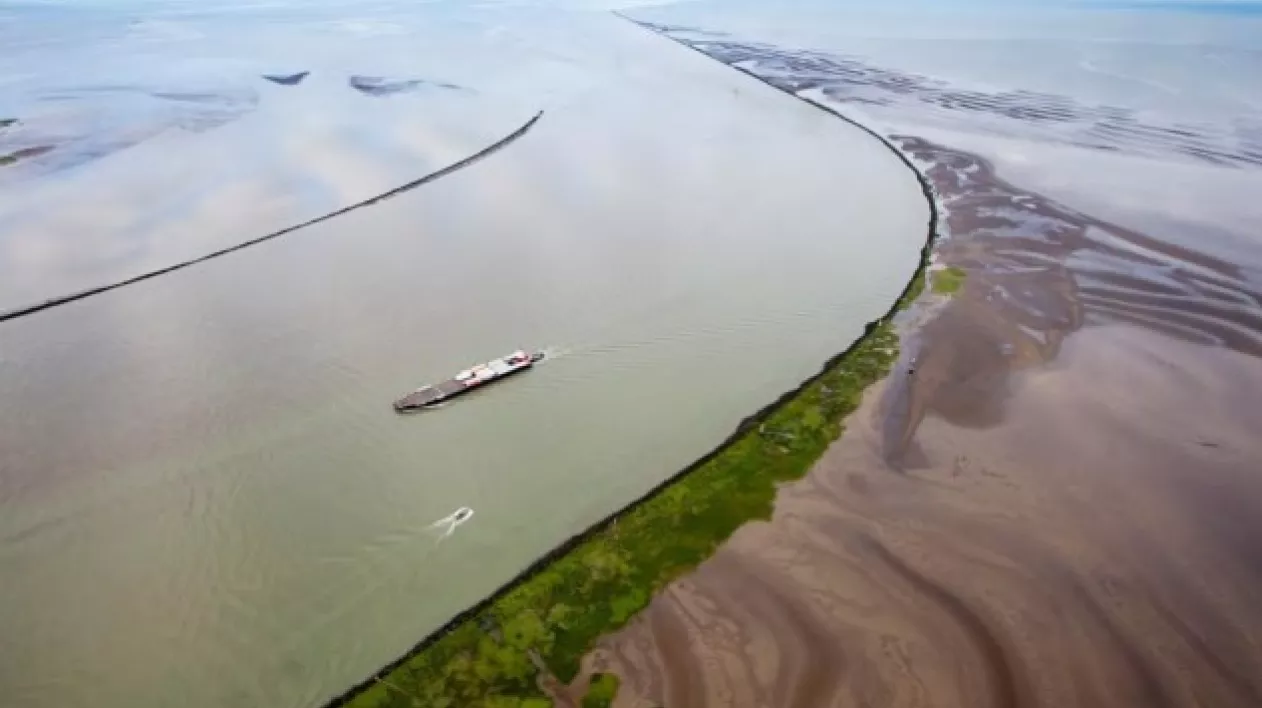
(443, 172)
(865, 361)
(991, 478)
(924, 182)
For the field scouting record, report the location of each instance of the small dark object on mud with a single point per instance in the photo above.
(287, 80)
(24, 153)
(378, 86)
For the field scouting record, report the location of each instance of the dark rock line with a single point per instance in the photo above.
(910, 292)
(455, 166)
(369, 85)
(287, 79)
(925, 187)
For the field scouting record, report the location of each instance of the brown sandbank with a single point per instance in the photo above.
(1057, 508)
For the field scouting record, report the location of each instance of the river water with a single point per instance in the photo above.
(205, 498)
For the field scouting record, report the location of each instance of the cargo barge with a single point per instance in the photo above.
(469, 379)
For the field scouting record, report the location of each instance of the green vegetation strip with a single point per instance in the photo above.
(601, 692)
(558, 613)
(949, 280)
(491, 656)
(554, 614)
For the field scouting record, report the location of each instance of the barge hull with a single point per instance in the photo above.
(428, 396)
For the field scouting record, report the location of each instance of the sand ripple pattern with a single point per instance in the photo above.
(989, 533)
(1063, 119)
(1038, 270)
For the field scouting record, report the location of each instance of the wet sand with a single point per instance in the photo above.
(1054, 501)
(1099, 547)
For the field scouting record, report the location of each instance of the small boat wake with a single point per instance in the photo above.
(384, 548)
(446, 526)
(550, 353)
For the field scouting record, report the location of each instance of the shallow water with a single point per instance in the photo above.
(205, 498)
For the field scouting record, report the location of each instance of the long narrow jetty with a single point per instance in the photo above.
(453, 167)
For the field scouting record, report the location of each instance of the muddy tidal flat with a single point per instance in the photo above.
(1054, 499)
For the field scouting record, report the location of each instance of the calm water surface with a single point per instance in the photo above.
(205, 498)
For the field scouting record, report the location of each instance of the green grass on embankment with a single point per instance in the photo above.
(601, 692)
(600, 582)
(948, 280)
(556, 610)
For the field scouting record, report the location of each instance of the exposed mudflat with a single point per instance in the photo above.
(1096, 547)
(1055, 500)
